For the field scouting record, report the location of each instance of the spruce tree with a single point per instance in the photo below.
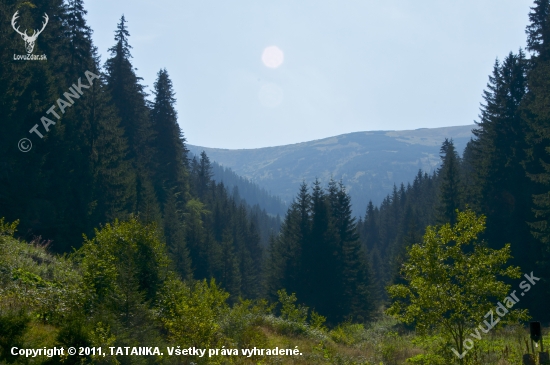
(538, 31)
(79, 35)
(239, 228)
(195, 236)
(318, 256)
(203, 174)
(170, 174)
(370, 230)
(230, 275)
(450, 185)
(128, 96)
(174, 233)
(274, 272)
(354, 281)
(113, 184)
(503, 191)
(536, 113)
(283, 268)
(253, 272)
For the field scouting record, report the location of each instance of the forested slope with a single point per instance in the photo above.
(247, 190)
(102, 151)
(503, 175)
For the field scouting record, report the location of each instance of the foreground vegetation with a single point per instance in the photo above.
(119, 290)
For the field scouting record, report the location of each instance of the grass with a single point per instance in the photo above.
(385, 342)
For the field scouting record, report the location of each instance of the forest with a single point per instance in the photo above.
(113, 235)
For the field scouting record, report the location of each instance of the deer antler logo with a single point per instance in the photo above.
(29, 40)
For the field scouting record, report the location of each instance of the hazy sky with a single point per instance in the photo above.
(336, 66)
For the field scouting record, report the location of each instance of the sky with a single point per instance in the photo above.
(258, 73)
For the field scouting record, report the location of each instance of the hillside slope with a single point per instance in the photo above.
(251, 192)
(368, 163)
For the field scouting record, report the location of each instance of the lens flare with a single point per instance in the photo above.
(273, 57)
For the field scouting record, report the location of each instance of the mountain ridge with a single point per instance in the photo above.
(369, 163)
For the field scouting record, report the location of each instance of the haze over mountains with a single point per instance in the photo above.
(368, 163)
(242, 188)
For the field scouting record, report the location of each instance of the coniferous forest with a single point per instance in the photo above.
(113, 236)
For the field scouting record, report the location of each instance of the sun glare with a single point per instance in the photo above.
(273, 57)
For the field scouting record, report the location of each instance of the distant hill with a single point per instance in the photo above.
(243, 188)
(368, 163)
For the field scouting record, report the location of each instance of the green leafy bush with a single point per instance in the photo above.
(348, 333)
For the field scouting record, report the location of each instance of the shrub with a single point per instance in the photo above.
(348, 333)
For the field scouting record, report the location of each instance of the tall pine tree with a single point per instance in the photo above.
(170, 169)
(450, 185)
(536, 112)
(128, 96)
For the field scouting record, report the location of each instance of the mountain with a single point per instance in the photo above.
(368, 163)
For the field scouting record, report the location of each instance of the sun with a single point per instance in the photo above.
(273, 57)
